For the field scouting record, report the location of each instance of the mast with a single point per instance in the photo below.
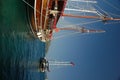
(80, 29)
(88, 1)
(81, 10)
(91, 17)
(78, 8)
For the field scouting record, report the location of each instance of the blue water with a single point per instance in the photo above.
(19, 50)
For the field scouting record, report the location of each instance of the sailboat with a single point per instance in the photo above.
(46, 14)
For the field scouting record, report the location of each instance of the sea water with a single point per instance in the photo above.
(20, 51)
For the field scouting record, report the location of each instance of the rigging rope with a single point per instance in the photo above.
(77, 6)
(102, 11)
(66, 35)
(107, 11)
(91, 22)
(84, 23)
(111, 5)
(109, 14)
(114, 14)
(32, 7)
(112, 22)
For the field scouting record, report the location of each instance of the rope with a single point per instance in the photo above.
(114, 14)
(102, 11)
(32, 7)
(77, 6)
(111, 5)
(84, 23)
(31, 26)
(112, 22)
(66, 35)
(107, 11)
(109, 14)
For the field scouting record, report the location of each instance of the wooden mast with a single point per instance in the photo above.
(91, 17)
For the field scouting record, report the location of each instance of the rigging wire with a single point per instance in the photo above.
(32, 7)
(111, 5)
(109, 14)
(69, 34)
(114, 14)
(107, 11)
(78, 7)
(85, 23)
(112, 22)
(91, 22)
(31, 30)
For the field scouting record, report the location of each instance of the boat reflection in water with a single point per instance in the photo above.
(43, 64)
(35, 66)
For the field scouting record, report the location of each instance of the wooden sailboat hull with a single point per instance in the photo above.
(44, 17)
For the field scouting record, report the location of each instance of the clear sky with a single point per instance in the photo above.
(96, 55)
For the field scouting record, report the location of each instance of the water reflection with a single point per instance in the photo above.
(19, 56)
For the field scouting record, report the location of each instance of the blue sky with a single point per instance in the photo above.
(96, 55)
